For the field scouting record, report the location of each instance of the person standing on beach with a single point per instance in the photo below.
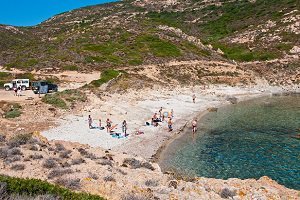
(172, 113)
(194, 125)
(99, 123)
(108, 125)
(124, 127)
(19, 91)
(90, 121)
(170, 124)
(16, 91)
(194, 98)
(160, 113)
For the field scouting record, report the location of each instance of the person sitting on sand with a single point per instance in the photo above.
(90, 121)
(124, 127)
(194, 125)
(108, 125)
(170, 124)
(155, 118)
(194, 98)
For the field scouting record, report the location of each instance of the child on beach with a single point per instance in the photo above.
(90, 121)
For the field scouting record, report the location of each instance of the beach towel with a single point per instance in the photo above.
(139, 133)
(118, 135)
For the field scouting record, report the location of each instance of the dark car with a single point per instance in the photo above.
(43, 87)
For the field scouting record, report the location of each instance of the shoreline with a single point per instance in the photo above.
(157, 157)
(137, 108)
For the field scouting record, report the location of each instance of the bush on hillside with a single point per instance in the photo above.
(34, 187)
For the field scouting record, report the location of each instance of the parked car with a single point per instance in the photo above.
(43, 87)
(23, 83)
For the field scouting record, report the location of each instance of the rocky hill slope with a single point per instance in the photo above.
(133, 33)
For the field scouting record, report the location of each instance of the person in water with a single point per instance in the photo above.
(194, 125)
(90, 121)
(108, 125)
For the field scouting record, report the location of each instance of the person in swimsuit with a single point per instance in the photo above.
(155, 118)
(160, 113)
(194, 125)
(108, 125)
(90, 120)
(124, 127)
(99, 123)
(194, 98)
(170, 124)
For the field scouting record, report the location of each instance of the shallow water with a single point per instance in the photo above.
(248, 140)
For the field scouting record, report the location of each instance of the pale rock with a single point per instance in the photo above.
(295, 50)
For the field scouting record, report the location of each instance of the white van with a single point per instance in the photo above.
(23, 83)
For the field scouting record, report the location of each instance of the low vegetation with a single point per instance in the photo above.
(106, 76)
(11, 110)
(35, 187)
(65, 99)
(71, 68)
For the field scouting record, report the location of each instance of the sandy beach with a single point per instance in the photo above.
(137, 108)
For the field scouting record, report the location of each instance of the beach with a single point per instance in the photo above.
(137, 108)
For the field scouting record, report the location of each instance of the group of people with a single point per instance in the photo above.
(109, 126)
(154, 121)
(17, 91)
(161, 118)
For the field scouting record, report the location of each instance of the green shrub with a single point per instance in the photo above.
(64, 98)
(71, 68)
(72, 95)
(4, 75)
(106, 76)
(13, 113)
(241, 53)
(34, 187)
(158, 47)
(55, 100)
(25, 76)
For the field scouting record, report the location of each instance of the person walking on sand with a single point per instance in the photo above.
(170, 124)
(194, 125)
(194, 98)
(90, 121)
(124, 127)
(108, 125)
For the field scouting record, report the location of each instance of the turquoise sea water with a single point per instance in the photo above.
(248, 140)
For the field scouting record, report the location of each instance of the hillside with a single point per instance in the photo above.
(146, 32)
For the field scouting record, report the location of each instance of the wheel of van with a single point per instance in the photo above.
(23, 88)
(7, 88)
